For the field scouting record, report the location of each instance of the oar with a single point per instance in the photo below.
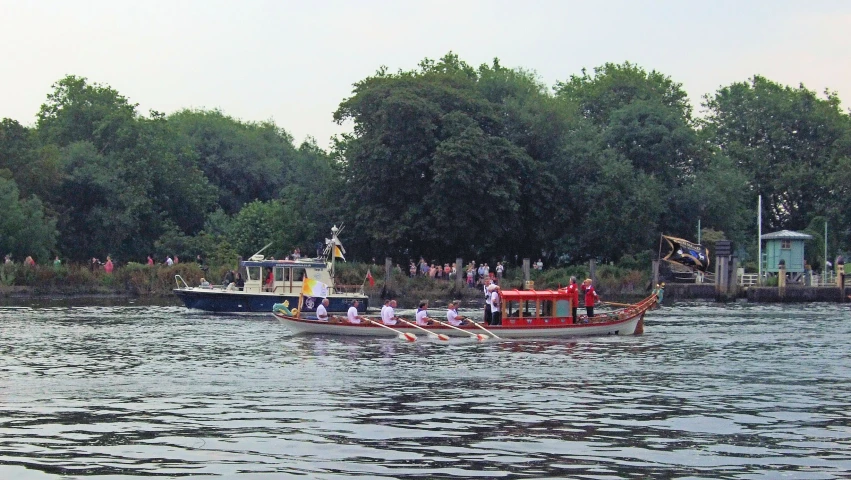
(485, 329)
(618, 304)
(477, 336)
(403, 335)
(431, 334)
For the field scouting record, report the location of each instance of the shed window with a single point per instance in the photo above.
(786, 244)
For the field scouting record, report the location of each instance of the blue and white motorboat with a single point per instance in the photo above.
(259, 296)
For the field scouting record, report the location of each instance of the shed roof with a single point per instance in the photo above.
(787, 235)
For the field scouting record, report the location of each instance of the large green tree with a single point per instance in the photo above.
(431, 169)
(791, 144)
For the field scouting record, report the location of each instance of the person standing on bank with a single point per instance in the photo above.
(591, 297)
(573, 291)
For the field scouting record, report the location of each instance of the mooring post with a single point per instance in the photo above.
(460, 273)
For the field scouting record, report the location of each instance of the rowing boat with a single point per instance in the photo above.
(526, 314)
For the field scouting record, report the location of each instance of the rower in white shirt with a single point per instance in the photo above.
(322, 310)
(422, 315)
(352, 314)
(388, 313)
(452, 316)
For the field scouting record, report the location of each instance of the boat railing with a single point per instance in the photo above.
(338, 288)
(178, 280)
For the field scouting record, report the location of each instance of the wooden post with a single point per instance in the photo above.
(460, 273)
(526, 263)
(592, 270)
(655, 273)
(388, 272)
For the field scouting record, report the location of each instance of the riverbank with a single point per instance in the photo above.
(789, 294)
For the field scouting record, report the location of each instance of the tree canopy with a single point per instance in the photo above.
(444, 160)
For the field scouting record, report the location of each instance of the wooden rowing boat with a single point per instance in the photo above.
(526, 314)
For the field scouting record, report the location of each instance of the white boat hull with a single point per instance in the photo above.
(628, 326)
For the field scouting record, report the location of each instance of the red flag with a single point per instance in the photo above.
(369, 277)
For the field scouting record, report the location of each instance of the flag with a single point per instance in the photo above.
(338, 253)
(687, 253)
(314, 288)
(369, 277)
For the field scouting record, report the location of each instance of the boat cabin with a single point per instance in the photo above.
(536, 307)
(286, 275)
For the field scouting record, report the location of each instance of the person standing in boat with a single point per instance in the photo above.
(573, 291)
(322, 310)
(495, 302)
(591, 297)
(352, 315)
(240, 283)
(487, 292)
(422, 315)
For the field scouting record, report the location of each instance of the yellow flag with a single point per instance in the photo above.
(314, 288)
(338, 253)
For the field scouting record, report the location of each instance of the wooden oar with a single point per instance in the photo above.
(439, 336)
(403, 335)
(477, 336)
(485, 329)
(618, 304)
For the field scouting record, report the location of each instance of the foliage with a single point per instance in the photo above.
(24, 228)
(444, 160)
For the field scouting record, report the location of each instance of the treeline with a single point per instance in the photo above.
(445, 160)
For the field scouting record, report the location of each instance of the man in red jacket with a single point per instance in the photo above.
(591, 297)
(573, 291)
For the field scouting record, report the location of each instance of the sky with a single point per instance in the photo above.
(294, 62)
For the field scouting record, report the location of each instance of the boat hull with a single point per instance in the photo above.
(214, 300)
(628, 326)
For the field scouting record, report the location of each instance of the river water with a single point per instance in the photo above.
(734, 391)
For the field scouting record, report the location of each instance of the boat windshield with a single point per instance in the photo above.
(253, 273)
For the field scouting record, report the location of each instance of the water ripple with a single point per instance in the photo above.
(711, 391)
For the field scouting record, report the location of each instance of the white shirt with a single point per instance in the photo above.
(494, 301)
(169, 261)
(421, 317)
(321, 313)
(452, 317)
(387, 314)
(353, 315)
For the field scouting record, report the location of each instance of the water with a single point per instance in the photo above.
(711, 391)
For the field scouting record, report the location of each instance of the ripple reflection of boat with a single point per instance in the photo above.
(537, 314)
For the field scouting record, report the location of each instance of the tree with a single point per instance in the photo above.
(24, 228)
(789, 142)
(431, 168)
(243, 161)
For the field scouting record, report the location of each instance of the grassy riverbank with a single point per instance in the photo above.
(136, 280)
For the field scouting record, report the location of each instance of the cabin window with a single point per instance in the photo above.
(563, 308)
(253, 273)
(786, 244)
(546, 308)
(298, 274)
(279, 274)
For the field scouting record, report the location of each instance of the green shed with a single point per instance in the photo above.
(787, 246)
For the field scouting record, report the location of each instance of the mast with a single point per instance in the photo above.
(759, 239)
(334, 231)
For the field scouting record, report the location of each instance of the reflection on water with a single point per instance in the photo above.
(711, 391)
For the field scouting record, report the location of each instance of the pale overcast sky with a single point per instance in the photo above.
(293, 62)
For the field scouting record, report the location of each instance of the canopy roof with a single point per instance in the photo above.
(516, 295)
(787, 235)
